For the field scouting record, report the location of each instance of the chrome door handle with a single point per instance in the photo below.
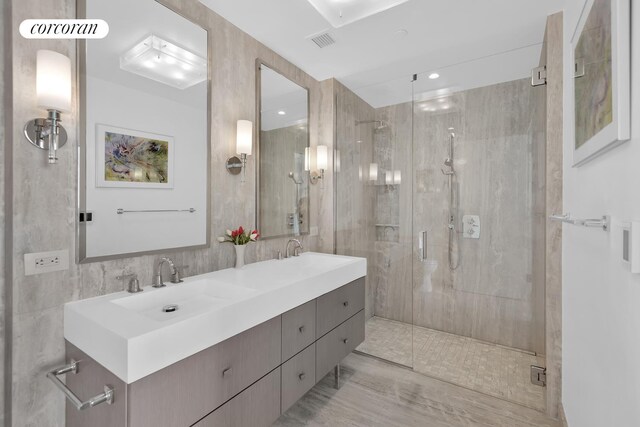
(301, 376)
(72, 368)
(422, 244)
(301, 329)
(346, 340)
(346, 303)
(226, 371)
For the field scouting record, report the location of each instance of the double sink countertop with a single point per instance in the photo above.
(130, 334)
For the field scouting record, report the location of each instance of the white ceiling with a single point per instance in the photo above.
(370, 53)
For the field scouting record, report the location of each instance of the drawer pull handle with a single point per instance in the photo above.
(72, 368)
(301, 329)
(301, 376)
(226, 371)
(346, 303)
(346, 340)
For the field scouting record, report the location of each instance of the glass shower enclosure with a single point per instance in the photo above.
(441, 187)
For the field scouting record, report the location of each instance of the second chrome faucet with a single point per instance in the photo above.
(157, 273)
(297, 248)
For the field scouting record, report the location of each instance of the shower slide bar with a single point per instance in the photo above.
(121, 211)
(72, 368)
(603, 222)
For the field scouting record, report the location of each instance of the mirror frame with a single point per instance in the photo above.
(81, 93)
(258, 130)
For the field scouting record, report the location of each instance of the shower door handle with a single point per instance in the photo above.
(422, 245)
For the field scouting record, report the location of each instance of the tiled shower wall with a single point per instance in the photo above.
(44, 197)
(497, 293)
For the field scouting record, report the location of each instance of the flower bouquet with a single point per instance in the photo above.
(240, 238)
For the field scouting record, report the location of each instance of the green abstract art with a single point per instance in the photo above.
(594, 74)
(135, 159)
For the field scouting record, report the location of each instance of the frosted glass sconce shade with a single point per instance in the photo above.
(244, 138)
(53, 81)
(322, 157)
(373, 172)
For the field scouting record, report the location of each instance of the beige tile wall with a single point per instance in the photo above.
(44, 198)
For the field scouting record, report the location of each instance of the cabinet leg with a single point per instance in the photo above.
(336, 377)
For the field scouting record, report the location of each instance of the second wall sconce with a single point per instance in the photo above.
(53, 91)
(244, 144)
(322, 162)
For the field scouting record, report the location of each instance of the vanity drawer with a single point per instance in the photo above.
(339, 305)
(298, 376)
(338, 343)
(257, 406)
(183, 393)
(298, 329)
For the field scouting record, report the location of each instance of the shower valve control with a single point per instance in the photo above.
(471, 226)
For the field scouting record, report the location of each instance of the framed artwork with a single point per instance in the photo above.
(133, 159)
(601, 83)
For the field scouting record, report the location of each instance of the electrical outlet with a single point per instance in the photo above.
(46, 262)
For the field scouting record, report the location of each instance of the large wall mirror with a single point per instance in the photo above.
(144, 101)
(283, 139)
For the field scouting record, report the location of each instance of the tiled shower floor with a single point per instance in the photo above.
(488, 368)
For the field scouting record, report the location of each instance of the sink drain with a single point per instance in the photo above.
(170, 308)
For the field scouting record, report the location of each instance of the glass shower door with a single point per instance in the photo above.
(373, 218)
(478, 170)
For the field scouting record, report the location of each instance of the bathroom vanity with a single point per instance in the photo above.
(241, 348)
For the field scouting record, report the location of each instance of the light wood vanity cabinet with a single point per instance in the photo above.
(246, 380)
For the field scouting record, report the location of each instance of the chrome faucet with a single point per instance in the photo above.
(157, 273)
(297, 248)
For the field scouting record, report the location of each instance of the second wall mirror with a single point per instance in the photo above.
(283, 137)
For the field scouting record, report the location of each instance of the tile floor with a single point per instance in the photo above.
(488, 368)
(378, 394)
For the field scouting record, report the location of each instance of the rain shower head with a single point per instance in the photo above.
(379, 124)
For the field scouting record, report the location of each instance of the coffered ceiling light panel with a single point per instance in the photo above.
(343, 12)
(160, 60)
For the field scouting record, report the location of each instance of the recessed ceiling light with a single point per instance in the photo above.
(434, 76)
(282, 112)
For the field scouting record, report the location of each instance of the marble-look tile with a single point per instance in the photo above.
(553, 261)
(44, 197)
(375, 393)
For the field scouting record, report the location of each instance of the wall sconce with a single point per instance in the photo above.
(373, 172)
(53, 90)
(244, 144)
(392, 178)
(322, 163)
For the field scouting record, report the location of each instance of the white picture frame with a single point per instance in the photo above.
(618, 130)
(102, 181)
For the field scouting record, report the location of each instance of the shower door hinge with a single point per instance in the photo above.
(539, 76)
(538, 375)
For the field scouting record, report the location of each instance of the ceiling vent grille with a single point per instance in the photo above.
(323, 40)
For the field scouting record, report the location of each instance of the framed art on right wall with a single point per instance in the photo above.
(601, 81)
